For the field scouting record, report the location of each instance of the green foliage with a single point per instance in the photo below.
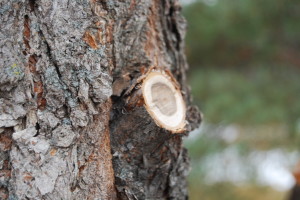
(244, 70)
(240, 33)
(253, 96)
(203, 146)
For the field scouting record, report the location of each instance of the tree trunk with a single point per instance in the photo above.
(69, 72)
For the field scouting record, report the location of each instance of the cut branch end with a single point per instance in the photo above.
(164, 102)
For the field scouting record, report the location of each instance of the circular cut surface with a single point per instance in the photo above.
(164, 99)
(164, 102)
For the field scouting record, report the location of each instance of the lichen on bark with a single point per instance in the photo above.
(64, 69)
(55, 91)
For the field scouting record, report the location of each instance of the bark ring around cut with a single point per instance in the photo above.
(164, 102)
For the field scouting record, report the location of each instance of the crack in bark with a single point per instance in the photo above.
(5, 166)
(51, 56)
(32, 60)
(37, 127)
(32, 5)
(71, 136)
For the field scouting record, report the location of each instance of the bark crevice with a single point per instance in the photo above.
(67, 71)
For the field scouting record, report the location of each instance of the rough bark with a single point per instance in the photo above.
(65, 72)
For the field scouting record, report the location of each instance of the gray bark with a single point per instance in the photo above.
(65, 67)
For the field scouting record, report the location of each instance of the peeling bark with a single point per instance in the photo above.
(66, 69)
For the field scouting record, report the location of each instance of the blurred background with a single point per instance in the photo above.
(244, 58)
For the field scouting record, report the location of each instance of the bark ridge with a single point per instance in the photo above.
(66, 69)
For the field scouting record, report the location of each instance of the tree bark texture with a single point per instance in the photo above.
(67, 72)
